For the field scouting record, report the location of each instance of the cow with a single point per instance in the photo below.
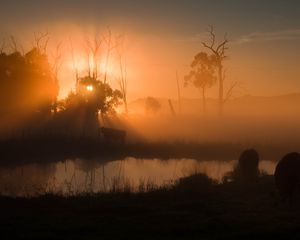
(248, 164)
(287, 176)
(113, 135)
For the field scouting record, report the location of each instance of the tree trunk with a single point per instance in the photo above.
(221, 89)
(178, 93)
(171, 108)
(203, 100)
(125, 105)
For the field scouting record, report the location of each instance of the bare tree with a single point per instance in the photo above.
(2, 46)
(74, 63)
(229, 92)
(218, 50)
(93, 48)
(87, 52)
(108, 40)
(13, 44)
(123, 70)
(57, 63)
(41, 40)
(178, 93)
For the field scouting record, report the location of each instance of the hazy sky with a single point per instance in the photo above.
(164, 35)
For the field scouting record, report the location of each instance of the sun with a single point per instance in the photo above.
(90, 88)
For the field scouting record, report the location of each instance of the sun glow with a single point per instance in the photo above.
(89, 88)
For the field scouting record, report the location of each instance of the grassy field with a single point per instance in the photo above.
(195, 208)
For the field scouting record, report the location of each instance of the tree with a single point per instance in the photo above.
(81, 109)
(38, 72)
(152, 105)
(92, 49)
(98, 96)
(109, 47)
(57, 63)
(218, 52)
(27, 83)
(123, 71)
(202, 75)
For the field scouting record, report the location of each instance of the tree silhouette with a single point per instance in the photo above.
(81, 109)
(152, 105)
(218, 50)
(95, 95)
(202, 75)
(26, 83)
(123, 70)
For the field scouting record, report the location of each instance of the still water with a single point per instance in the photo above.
(75, 176)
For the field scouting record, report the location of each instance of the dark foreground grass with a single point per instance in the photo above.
(214, 211)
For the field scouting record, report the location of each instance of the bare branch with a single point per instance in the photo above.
(221, 47)
(2, 47)
(13, 44)
(41, 41)
(123, 70)
(212, 36)
(87, 52)
(57, 60)
(230, 91)
(73, 61)
(97, 45)
(108, 40)
(209, 47)
(93, 49)
(219, 50)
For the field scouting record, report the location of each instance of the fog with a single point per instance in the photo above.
(247, 120)
(36, 96)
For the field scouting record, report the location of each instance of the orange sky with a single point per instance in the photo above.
(163, 36)
(262, 68)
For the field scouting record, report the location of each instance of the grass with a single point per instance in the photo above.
(194, 208)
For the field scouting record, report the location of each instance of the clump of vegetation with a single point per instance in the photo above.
(94, 95)
(246, 171)
(202, 75)
(152, 105)
(197, 182)
(27, 83)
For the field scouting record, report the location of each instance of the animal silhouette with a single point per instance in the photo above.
(113, 135)
(248, 164)
(287, 176)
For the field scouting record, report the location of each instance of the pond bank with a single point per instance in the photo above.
(214, 211)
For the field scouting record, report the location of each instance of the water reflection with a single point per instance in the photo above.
(79, 175)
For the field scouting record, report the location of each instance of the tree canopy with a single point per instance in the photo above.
(94, 95)
(26, 82)
(202, 74)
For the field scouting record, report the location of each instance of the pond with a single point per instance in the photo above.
(75, 176)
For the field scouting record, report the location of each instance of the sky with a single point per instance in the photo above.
(162, 36)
